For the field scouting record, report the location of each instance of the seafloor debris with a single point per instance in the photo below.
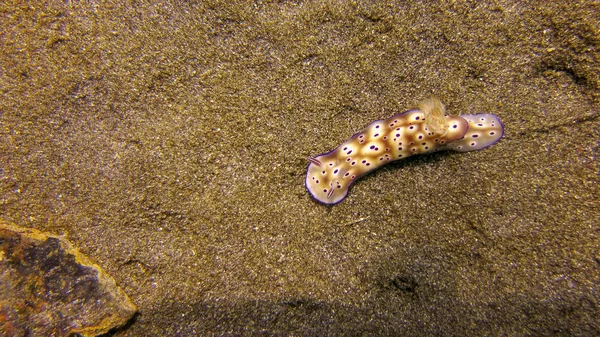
(48, 288)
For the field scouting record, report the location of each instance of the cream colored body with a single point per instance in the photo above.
(330, 175)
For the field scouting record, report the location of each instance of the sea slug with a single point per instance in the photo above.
(427, 129)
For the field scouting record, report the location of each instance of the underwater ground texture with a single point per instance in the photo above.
(168, 142)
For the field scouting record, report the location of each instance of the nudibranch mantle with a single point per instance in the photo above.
(427, 129)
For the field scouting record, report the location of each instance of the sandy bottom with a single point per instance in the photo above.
(169, 143)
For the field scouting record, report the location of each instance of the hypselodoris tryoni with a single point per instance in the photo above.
(424, 130)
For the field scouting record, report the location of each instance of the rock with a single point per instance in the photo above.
(48, 288)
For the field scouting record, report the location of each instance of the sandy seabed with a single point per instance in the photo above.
(168, 141)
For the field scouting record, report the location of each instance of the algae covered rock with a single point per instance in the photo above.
(48, 288)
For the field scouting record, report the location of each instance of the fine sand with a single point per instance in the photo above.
(168, 142)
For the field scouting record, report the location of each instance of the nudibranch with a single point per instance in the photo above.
(424, 130)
